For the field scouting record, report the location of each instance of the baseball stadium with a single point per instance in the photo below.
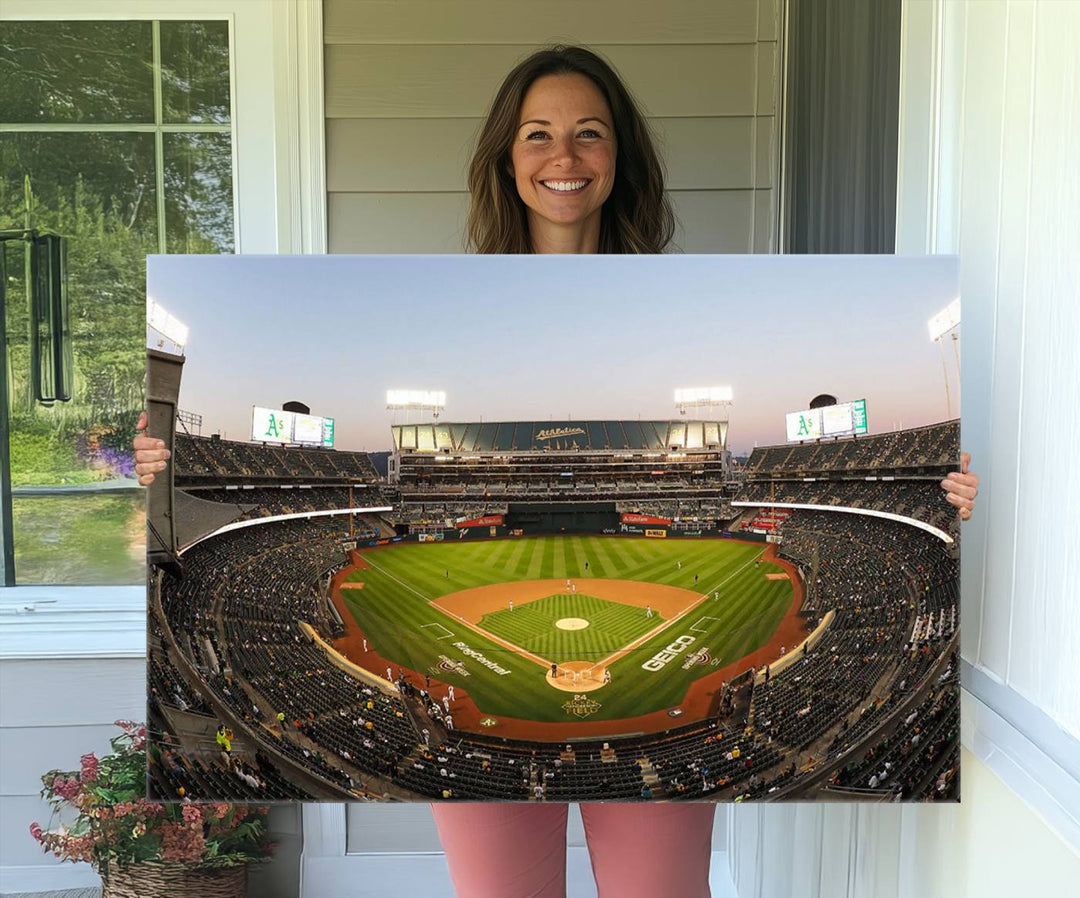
(581, 610)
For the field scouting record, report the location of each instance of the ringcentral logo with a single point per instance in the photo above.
(669, 653)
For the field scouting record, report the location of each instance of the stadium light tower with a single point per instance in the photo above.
(433, 401)
(946, 322)
(164, 331)
(698, 398)
(166, 337)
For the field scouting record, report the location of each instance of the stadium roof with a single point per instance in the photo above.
(521, 436)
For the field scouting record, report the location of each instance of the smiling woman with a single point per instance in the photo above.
(565, 164)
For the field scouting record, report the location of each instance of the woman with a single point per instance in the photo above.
(565, 164)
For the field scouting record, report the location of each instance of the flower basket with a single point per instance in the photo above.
(174, 881)
(142, 848)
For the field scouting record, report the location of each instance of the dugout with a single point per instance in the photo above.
(550, 517)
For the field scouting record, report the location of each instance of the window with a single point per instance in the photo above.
(118, 136)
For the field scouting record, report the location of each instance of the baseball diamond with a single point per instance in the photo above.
(581, 618)
(644, 612)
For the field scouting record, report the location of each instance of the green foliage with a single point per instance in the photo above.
(99, 190)
(116, 825)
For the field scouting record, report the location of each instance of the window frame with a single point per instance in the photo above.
(279, 206)
(1010, 733)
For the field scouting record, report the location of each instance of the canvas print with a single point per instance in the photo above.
(555, 529)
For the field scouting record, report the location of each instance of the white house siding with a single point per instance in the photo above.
(408, 83)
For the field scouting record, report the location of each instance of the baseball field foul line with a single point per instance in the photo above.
(641, 640)
(449, 633)
(694, 628)
(516, 649)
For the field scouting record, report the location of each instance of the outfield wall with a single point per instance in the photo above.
(522, 529)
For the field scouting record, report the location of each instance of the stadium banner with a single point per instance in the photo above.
(491, 520)
(656, 533)
(629, 518)
(471, 534)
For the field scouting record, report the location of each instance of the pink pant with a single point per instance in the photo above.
(519, 850)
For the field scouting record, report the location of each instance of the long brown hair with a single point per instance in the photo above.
(637, 216)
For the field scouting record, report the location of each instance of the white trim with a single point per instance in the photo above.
(869, 512)
(919, 111)
(294, 516)
(39, 622)
(990, 718)
(298, 28)
(324, 830)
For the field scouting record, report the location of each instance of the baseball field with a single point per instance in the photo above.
(567, 627)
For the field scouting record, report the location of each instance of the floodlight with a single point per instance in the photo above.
(945, 320)
(164, 331)
(703, 396)
(430, 400)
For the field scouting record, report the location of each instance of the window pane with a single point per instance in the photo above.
(198, 193)
(81, 539)
(98, 191)
(76, 72)
(195, 72)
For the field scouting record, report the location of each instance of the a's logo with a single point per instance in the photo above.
(275, 429)
(489, 722)
(553, 432)
(581, 706)
(669, 653)
(461, 533)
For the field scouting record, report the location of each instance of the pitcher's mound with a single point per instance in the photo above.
(572, 623)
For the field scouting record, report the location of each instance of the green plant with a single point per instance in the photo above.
(115, 824)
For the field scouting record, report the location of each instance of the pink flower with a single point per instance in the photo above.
(148, 808)
(66, 789)
(37, 832)
(192, 813)
(89, 767)
(181, 842)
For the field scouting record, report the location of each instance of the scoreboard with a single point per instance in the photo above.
(275, 426)
(842, 420)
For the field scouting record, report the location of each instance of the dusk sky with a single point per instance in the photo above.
(556, 337)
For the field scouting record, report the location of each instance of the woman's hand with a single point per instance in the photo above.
(150, 453)
(961, 487)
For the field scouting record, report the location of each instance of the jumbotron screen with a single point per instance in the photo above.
(843, 420)
(275, 426)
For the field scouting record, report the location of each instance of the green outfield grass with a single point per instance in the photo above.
(394, 612)
(532, 626)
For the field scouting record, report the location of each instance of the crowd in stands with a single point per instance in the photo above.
(209, 460)
(282, 500)
(921, 499)
(229, 646)
(932, 446)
